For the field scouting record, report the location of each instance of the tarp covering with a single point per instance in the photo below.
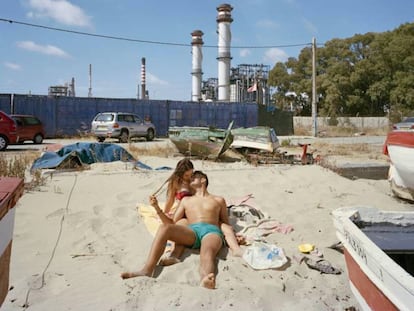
(78, 154)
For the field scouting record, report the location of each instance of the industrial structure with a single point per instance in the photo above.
(248, 83)
(224, 20)
(244, 83)
(143, 80)
(196, 51)
(63, 90)
(90, 81)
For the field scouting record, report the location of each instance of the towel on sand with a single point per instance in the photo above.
(150, 217)
(263, 228)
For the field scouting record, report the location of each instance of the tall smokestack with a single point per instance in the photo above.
(90, 81)
(196, 50)
(72, 88)
(143, 78)
(224, 37)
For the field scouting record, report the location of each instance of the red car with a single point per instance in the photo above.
(8, 131)
(29, 128)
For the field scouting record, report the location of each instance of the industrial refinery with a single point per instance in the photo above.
(244, 83)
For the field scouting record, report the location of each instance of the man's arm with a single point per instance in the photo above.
(224, 217)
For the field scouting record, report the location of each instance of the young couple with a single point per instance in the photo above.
(200, 221)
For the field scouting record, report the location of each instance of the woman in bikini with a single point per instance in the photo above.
(179, 185)
(178, 188)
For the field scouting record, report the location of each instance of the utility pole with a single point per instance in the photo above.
(314, 98)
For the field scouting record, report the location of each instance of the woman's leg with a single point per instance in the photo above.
(231, 240)
(174, 251)
(183, 235)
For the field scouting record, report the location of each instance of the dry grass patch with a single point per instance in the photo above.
(157, 151)
(353, 150)
(325, 149)
(18, 165)
(341, 131)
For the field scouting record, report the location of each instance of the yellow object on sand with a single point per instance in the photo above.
(306, 248)
(150, 217)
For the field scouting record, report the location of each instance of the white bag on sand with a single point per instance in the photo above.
(264, 256)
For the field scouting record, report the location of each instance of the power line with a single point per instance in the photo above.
(144, 41)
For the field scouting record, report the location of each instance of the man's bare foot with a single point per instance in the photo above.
(209, 281)
(128, 275)
(168, 260)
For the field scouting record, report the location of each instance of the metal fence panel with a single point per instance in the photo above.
(5, 103)
(41, 106)
(69, 116)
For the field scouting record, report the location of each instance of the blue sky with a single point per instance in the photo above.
(32, 58)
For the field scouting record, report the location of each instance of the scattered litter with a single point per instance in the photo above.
(322, 265)
(338, 247)
(264, 256)
(306, 248)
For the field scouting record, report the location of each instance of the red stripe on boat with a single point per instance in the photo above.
(372, 295)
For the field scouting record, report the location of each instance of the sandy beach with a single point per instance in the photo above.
(74, 237)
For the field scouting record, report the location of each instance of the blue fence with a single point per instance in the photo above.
(67, 116)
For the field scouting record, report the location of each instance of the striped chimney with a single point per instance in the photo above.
(143, 78)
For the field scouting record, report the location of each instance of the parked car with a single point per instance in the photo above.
(8, 131)
(121, 125)
(406, 124)
(29, 128)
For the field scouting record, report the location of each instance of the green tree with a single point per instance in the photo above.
(366, 75)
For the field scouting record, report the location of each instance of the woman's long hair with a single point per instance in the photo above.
(176, 177)
(175, 180)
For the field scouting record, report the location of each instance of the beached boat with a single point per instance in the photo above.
(259, 138)
(399, 146)
(379, 254)
(11, 189)
(203, 142)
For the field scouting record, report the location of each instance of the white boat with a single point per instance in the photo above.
(259, 138)
(379, 255)
(11, 189)
(399, 146)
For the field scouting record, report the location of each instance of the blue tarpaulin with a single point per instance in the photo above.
(78, 154)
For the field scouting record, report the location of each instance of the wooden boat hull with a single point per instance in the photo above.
(11, 189)
(399, 146)
(201, 142)
(373, 241)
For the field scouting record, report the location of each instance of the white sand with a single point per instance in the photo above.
(91, 218)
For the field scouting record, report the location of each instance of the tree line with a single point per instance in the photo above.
(368, 74)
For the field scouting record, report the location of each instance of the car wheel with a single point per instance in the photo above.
(38, 139)
(3, 143)
(150, 134)
(124, 136)
(101, 139)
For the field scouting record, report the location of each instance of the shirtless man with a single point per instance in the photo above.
(203, 212)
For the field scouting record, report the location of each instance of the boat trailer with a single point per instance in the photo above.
(258, 157)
